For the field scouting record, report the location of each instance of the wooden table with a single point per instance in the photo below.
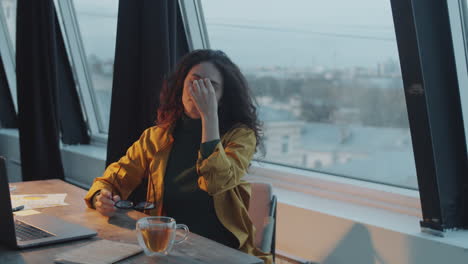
(121, 227)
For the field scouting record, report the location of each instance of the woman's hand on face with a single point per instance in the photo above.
(104, 202)
(204, 97)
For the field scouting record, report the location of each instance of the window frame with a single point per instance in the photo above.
(458, 10)
(7, 52)
(77, 56)
(432, 91)
(194, 24)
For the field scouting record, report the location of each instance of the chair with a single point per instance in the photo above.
(262, 212)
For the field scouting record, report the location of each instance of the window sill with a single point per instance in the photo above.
(94, 151)
(319, 185)
(81, 163)
(389, 207)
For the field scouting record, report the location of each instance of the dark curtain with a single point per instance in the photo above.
(150, 40)
(7, 110)
(36, 70)
(47, 99)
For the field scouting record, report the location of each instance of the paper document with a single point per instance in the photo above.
(98, 252)
(26, 212)
(35, 201)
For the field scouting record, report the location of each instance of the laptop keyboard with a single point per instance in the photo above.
(25, 232)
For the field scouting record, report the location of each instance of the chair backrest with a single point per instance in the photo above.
(262, 212)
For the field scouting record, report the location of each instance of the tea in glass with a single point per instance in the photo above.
(156, 234)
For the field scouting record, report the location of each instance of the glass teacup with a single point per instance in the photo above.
(157, 234)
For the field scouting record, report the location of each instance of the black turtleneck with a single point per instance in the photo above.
(183, 199)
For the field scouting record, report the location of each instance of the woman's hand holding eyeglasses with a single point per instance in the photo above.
(104, 202)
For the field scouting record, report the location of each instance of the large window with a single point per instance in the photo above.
(9, 12)
(98, 27)
(327, 79)
(7, 44)
(462, 71)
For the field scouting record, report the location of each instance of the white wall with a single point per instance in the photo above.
(329, 239)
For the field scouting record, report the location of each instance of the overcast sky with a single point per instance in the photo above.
(292, 33)
(301, 33)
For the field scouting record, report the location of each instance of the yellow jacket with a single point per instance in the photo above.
(220, 175)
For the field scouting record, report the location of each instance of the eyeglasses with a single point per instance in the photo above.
(126, 204)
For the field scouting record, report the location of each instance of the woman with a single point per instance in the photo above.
(196, 156)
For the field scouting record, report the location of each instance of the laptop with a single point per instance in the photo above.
(33, 230)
